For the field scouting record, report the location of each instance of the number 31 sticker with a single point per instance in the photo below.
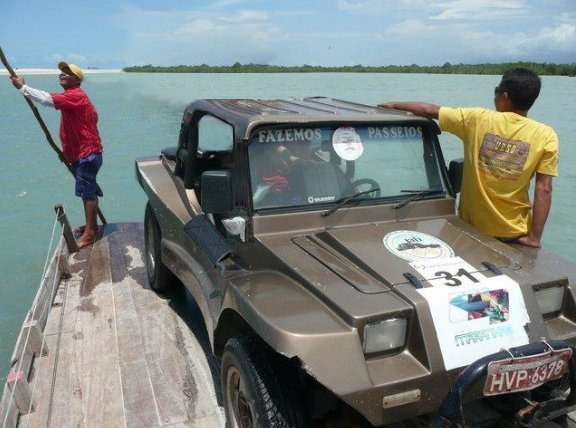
(448, 272)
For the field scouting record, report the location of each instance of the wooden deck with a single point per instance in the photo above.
(119, 355)
(116, 354)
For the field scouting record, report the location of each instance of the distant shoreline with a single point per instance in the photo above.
(543, 69)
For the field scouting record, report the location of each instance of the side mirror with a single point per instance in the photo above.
(216, 192)
(455, 174)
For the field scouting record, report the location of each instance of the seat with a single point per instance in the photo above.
(318, 182)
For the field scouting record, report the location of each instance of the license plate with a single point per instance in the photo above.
(525, 373)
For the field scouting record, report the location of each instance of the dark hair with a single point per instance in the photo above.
(523, 87)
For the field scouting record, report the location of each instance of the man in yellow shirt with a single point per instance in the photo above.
(503, 150)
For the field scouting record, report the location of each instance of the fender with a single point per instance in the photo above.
(313, 333)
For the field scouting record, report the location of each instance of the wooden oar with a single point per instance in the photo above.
(44, 128)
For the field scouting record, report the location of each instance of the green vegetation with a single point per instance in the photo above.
(447, 68)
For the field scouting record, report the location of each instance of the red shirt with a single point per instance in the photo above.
(78, 125)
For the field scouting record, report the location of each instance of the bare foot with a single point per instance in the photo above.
(85, 240)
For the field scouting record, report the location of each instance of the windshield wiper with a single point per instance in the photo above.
(344, 201)
(417, 194)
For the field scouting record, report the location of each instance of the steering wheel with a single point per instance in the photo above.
(364, 184)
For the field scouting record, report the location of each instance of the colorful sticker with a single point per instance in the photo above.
(472, 322)
(347, 144)
(491, 304)
(415, 246)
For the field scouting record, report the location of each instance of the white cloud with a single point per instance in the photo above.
(559, 39)
(410, 27)
(246, 16)
(411, 31)
(381, 7)
(480, 9)
(195, 27)
(192, 37)
(346, 5)
(222, 4)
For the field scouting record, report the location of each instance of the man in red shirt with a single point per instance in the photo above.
(80, 139)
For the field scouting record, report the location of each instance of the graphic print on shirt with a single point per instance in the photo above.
(503, 158)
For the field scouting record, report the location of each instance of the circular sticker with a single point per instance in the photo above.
(347, 144)
(414, 246)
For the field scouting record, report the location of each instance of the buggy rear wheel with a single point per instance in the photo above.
(160, 278)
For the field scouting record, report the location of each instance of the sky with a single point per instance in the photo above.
(119, 33)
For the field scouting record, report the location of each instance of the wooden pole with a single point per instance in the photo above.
(44, 127)
(67, 230)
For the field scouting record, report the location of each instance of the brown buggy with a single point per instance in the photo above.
(321, 242)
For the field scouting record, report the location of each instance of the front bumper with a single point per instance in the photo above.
(533, 413)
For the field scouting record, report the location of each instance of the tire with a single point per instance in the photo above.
(259, 389)
(160, 278)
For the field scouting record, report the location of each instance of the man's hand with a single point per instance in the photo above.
(17, 81)
(529, 241)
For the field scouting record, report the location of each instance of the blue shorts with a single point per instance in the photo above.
(85, 171)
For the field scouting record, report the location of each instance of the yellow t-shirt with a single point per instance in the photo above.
(502, 151)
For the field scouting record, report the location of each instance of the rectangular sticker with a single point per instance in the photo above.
(474, 321)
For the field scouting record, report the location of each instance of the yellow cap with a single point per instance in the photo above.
(76, 71)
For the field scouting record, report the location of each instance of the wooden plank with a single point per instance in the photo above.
(138, 396)
(211, 421)
(21, 392)
(156, 331)
(164, 370)
(139, 403)
(203, 377)
(8, 410)
(41, 382)
(66, 229)
(63, 255)
(67, 300)
(128, 329)
(59, 336)
(38, 313)
(180, 371)
(120, 355)
(170, 408)
(34, 338)
(117, 263)
(47, 291)
(94, 358)
(166, 364)
(60, 365)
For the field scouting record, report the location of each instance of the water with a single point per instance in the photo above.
(140, 114)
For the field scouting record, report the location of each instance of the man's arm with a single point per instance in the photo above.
(41, 97)
(540, 210)
(427, 110)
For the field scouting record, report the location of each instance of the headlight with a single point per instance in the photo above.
(386, 335)
(550, 299)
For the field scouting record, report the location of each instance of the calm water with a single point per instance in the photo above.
(140, 114)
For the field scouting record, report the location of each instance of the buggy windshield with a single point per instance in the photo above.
(310, 166)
